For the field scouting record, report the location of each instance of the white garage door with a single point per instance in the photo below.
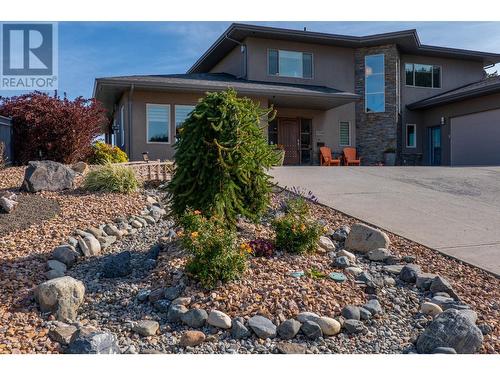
(475, 139)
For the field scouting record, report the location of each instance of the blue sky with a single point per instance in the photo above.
(98, 49)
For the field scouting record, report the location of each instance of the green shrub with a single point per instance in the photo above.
(295, 231)
(112, 178)
(221, 159)
(103, 153)
(212, 246)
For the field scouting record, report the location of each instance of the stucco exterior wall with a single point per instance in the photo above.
(432, 117)
(332, 66)
(138, 135)
(454, 74)
(232, 63)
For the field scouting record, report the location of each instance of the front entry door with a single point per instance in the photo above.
(435, 145)
(288, 136)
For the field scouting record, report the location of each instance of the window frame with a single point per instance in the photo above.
(432, 74)
(406, 135)
(168, 126)
(349, 139)
(122, 126)
(281, 76)
(371, 93)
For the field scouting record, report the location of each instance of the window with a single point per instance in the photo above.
(305, 141)
(411, 135)
(421, 75)
(374, 83)
(181, 114)
(344, 133)
(158, 123)
(122, 126)
(290, 64)
(272, 132)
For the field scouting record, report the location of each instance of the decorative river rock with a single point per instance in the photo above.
(297, 274)
(337, 276)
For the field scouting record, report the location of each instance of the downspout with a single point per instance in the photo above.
(130, 93)
(243, 50)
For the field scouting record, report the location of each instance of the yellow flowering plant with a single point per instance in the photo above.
(214, 254)
(296, 232)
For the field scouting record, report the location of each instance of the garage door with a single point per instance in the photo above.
(475, 139)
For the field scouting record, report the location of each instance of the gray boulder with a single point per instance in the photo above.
(341, 234)
(262, 327)
(289, 329)
(451, 329)
(363, 238)
(195, 318)
(175, 313)
(89, 245)
(117, 265)
(90, 341)
(7, 205)
(440, 284)
(354, 326)
(374, 307)
(65, 254)
(112, 230)
(61, 296)
(307, 315)
(342, 262)
(48, 176)
(56, 265)
(379, 255)
(239, 330)
(423, 280)
(409, 273)
(351, 312)
(311, 330)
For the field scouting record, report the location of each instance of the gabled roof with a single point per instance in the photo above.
(109, 89)
(484, 87)
(407, 41)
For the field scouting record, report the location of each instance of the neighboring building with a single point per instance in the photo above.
(433, 105)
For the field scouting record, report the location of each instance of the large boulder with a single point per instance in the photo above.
(262, 327)
(91, 341)
(451, 329)
(117, 265)
(65, 254)
(7, 205)
(61, 296)
(48, 176)
(363, 238)
(89, 245)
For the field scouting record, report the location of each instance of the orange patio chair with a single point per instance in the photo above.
(350, 156)
(326, 157)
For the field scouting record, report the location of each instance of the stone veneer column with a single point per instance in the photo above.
(376, 131)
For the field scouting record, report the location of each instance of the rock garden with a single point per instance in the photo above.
(217, 260)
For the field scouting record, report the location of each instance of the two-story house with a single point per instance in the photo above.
(433, 105)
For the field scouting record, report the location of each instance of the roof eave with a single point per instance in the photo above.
(425, 104)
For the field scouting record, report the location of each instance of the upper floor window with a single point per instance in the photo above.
(423, 75)
(290, 63)
(158, 123)
(374, 83)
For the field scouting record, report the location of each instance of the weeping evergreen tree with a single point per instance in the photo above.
(222, 158)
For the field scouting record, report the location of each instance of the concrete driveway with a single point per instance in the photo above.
(453, 210)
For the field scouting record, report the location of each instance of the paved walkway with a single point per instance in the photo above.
(453, 210)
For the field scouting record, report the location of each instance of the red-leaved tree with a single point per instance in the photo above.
(53, 128)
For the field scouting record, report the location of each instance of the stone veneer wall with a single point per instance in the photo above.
(376, 131)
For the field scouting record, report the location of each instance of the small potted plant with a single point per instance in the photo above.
(390, 156)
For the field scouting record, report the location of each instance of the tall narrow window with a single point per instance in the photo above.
(122, 126)
(272, 132)
(344, 133)
(374, 83)
(181, 114)
(411, 136)
(290, 63)
(158, 123)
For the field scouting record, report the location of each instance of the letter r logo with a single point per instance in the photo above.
(27, 49)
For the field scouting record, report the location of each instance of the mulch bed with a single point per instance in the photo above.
(24, 252)
(266, 288)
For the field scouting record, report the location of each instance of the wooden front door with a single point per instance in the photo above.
(288, 136)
